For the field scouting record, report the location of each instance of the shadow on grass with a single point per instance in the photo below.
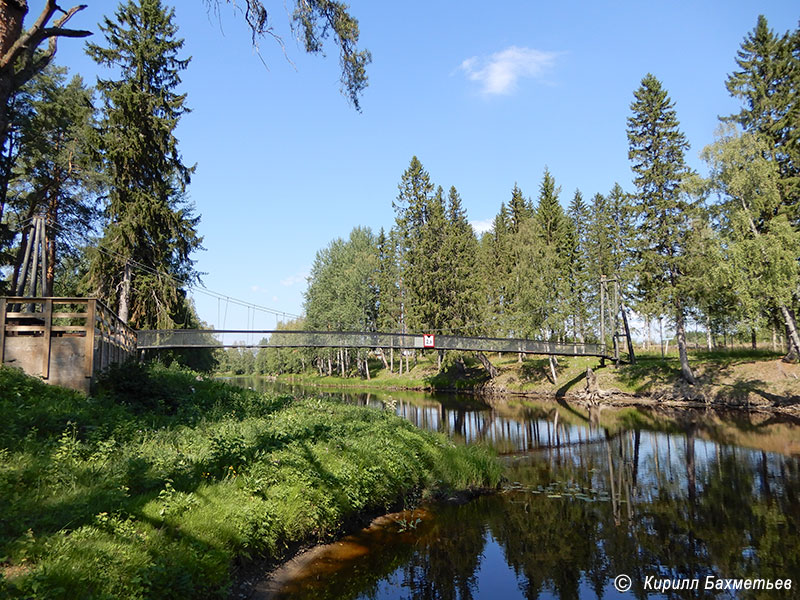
(649, 372)
(458, 376)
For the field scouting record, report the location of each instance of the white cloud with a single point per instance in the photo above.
(295, 279)
(482, 226)
(498, 74)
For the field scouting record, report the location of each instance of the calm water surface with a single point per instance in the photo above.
(590, 495)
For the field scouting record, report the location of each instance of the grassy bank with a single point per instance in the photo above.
(741, 376)
(161, 483)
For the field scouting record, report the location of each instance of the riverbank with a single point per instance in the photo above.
(163, 482)
(730, 379)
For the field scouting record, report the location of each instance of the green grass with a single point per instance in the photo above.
(160, 483)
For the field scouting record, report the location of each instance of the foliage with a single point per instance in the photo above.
(664, 214)
(143, 258)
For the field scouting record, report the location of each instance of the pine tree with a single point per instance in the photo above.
(144, 256)
(55, 174)
(656, 149)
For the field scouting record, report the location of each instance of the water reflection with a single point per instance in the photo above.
(590, 495)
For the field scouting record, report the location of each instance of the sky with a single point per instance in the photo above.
(486, 95)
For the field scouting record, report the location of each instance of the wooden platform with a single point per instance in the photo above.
(65, 341)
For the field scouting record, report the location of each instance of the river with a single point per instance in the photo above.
(597, 500)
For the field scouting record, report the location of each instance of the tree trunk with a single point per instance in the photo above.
(50, 276)
(490, 368)
(391, 360)
(553, 369)
(774, 339)
(125, 294)
(383, 358)
(661, 335)
(753, 339)
(709, 341)
(366, 367)
(680, 336)
(439, 361)
(793, 340)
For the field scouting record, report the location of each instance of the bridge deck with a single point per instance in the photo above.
(209, 338)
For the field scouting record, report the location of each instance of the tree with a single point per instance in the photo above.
(20, 60)
(463, 307)
(579, 265)
(495, 268)
(656, 149)
(415, 204)
(761, 243)
(143, 258)
(540, 275)
(314, 21)
(55, 174)
(767, 84)
(342, 294)
(22, 55)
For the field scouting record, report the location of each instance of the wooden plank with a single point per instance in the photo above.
(48, 327)
(24, 327)
(2, 329)
(69, 315)
(88, 365)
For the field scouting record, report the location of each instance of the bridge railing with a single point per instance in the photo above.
(209, 338)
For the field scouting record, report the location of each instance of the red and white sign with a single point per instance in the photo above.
(428, 340)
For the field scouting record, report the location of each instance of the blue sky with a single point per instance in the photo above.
(485, 94)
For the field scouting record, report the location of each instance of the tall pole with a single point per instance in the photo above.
(602, 309)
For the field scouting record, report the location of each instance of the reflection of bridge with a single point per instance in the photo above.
(210, 338)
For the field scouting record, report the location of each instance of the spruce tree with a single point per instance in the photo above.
(143, 259)
(519, 209)
(496, 266)
(579, 265)
(656, 149)
(554, 230)
(767, 84)
(463, 307)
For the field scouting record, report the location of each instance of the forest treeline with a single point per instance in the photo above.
(720, 251)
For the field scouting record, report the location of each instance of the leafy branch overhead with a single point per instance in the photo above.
(313, 21)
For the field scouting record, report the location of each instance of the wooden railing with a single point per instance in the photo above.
(64, 340)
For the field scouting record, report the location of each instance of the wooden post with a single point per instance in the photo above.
(48, 330)
(2, 329)
(91, 308)
(631, 355)
(602, 310)
(24, 270)
(35, 263)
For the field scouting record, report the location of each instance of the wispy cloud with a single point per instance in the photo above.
(482, 226)
(499, 73)
(295, 279)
